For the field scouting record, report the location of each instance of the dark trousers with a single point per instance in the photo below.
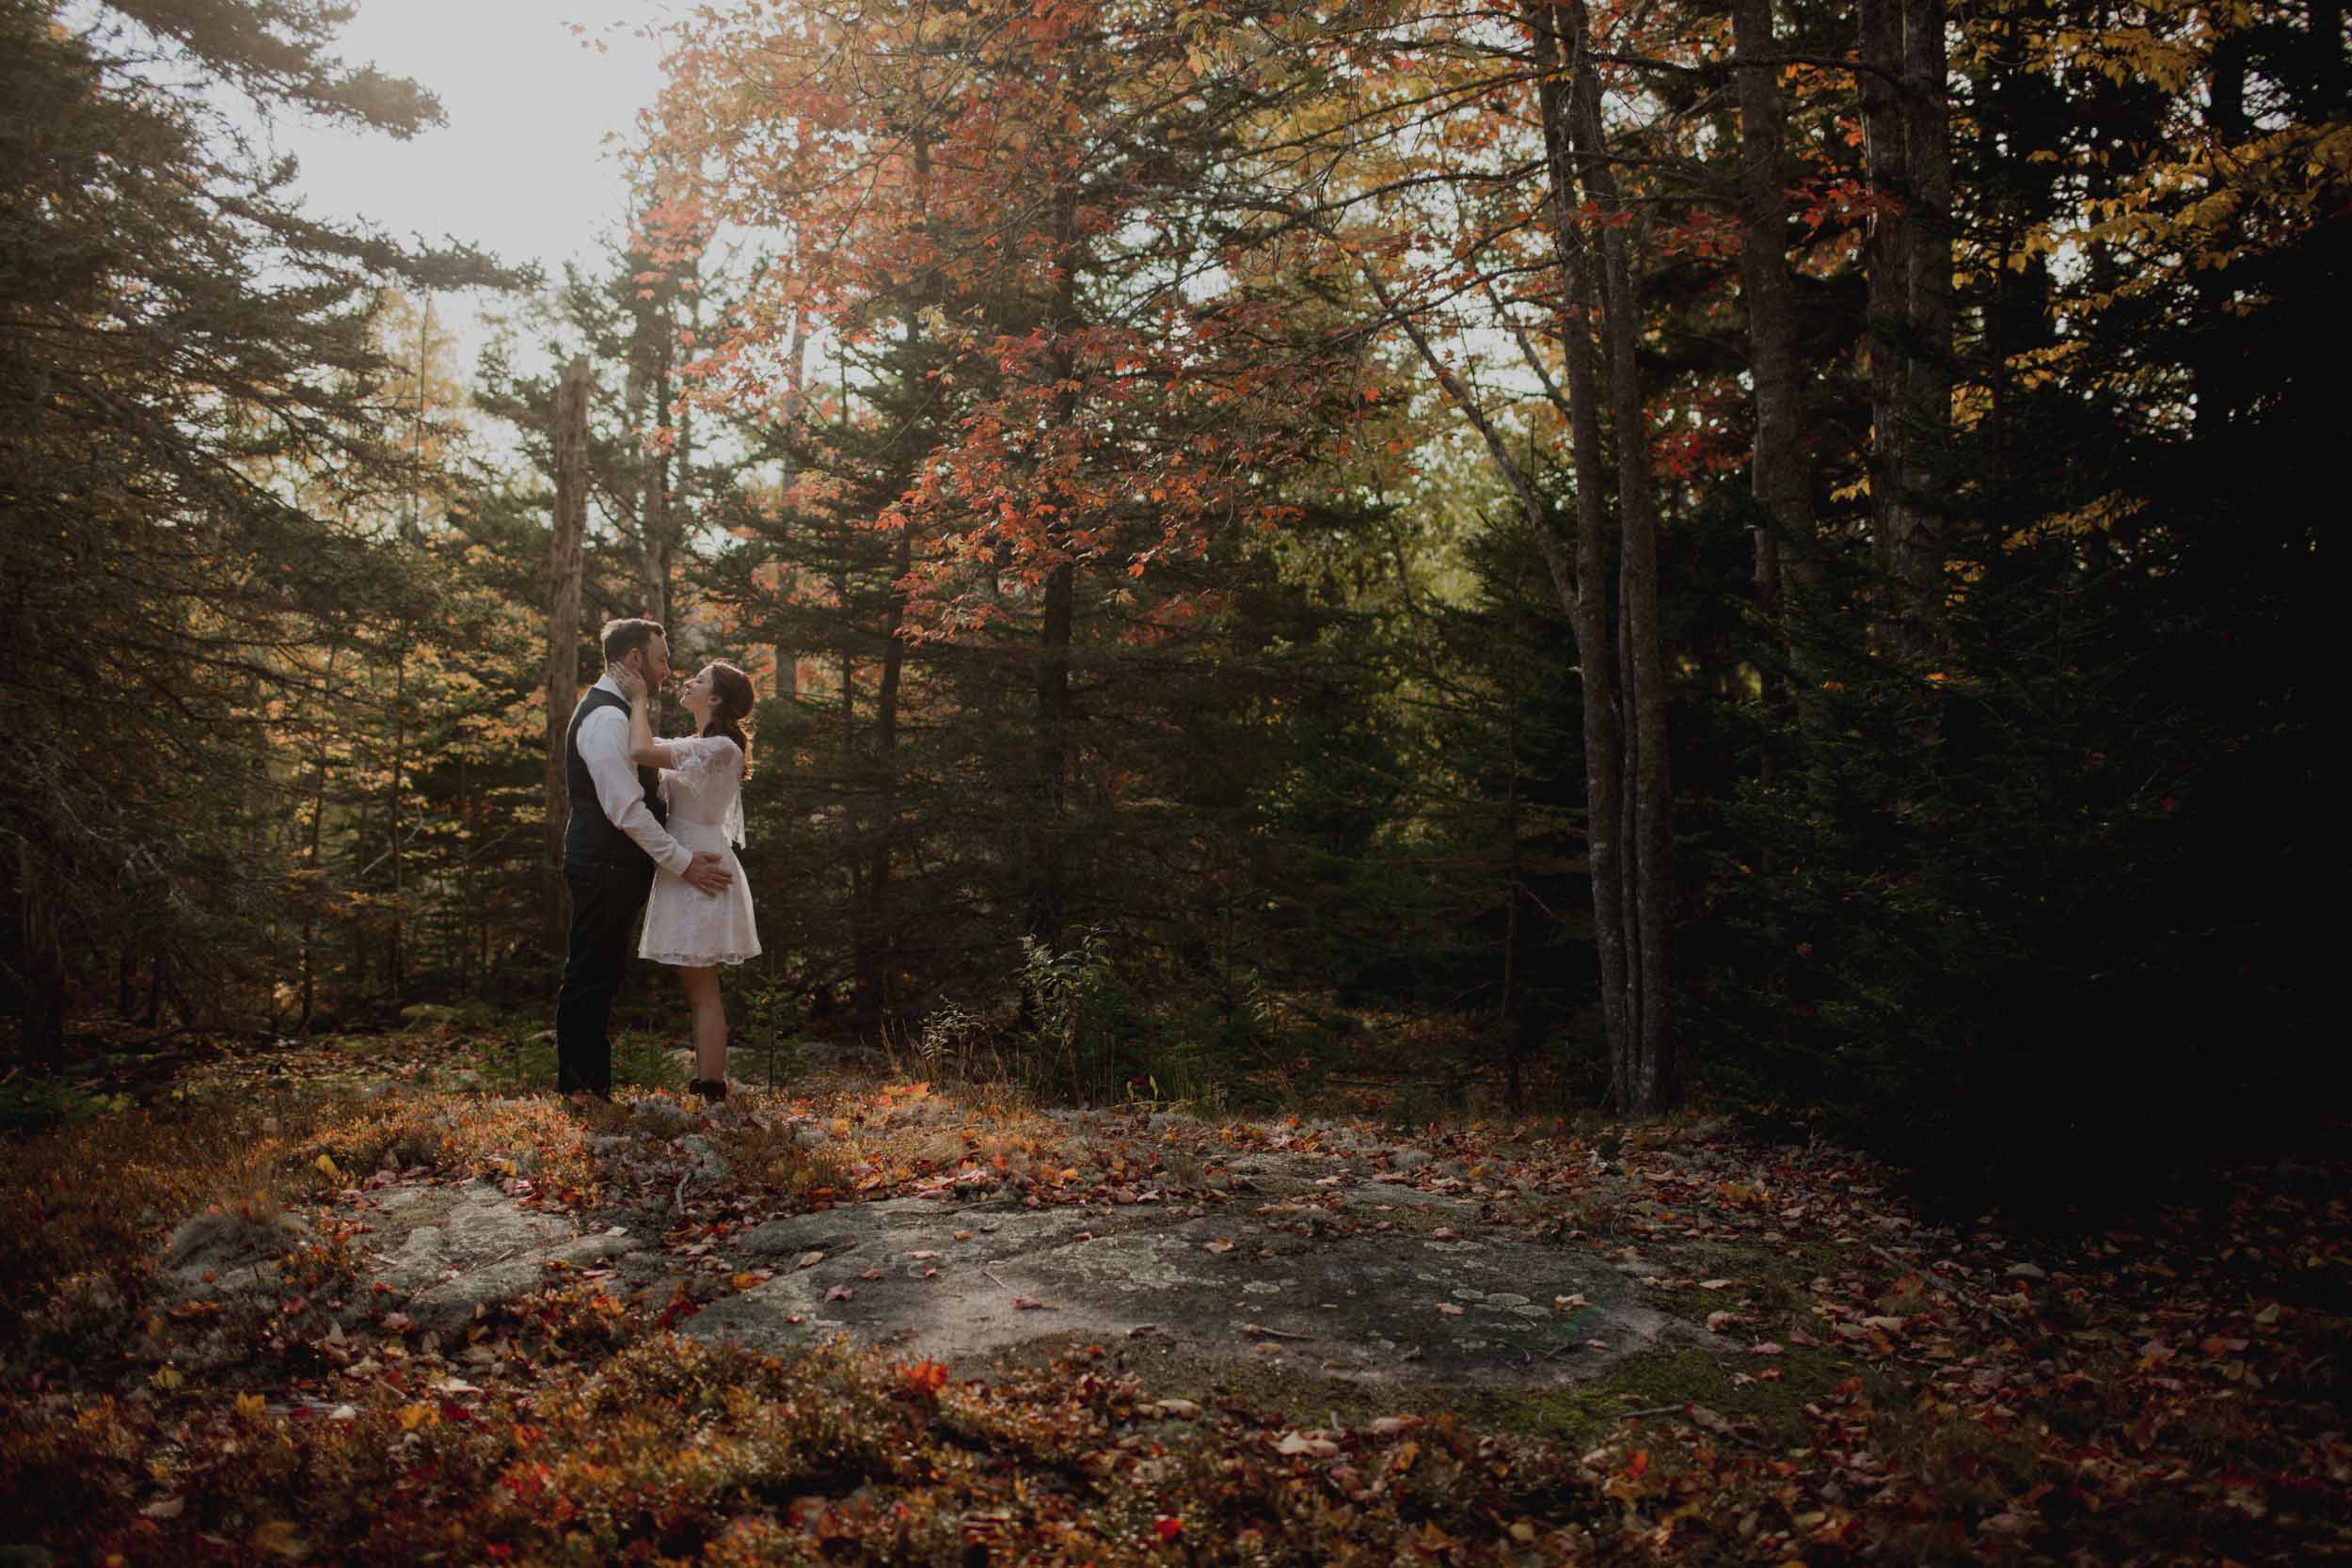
(605, 901)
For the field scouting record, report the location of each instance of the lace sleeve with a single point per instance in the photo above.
(703, 755)
(708, 761)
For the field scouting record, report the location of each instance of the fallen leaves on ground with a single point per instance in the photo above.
(2124, 1394)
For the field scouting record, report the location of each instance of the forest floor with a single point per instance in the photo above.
(363, 1300)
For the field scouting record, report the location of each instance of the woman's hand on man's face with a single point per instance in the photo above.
(632, 685)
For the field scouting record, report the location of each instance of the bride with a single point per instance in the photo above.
(702, 781)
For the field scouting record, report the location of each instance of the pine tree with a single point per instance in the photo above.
(176, 340)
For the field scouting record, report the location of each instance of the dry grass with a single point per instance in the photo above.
(97, 1198)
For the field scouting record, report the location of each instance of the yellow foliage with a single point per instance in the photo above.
(278, 1538)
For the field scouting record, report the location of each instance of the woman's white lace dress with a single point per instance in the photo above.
(683, 926)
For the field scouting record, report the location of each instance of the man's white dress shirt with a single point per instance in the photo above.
(604, 747)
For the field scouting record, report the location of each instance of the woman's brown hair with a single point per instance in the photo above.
(731, 691)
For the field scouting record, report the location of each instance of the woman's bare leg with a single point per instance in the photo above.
(710, 1022)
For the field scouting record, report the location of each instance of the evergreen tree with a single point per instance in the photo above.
(176, 338)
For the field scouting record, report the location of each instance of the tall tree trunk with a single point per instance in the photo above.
(394, 959)
(2323, 40)
(310, 859)
(657, 549)
(563, 568)
(646, 394)
(2214, 373)
(1511, 1014)
(1617, 819)
(416, 437)
(1588, 604)
(1649, 1082)
(795, 388)
(1927, 476)
(1049, 897)
(1777, 475)
(43, 1023)
(468, 886)
(1049, 900)
(848, 661)
(871, 979)
(1886, 265)
(874, 932)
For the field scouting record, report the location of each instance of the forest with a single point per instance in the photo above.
(1659, 619)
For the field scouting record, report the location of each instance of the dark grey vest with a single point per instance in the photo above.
(591, 842)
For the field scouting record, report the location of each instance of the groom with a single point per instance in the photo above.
(613, 840)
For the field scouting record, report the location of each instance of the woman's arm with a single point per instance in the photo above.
(643, 750)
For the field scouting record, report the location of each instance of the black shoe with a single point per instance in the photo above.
(709, 1088)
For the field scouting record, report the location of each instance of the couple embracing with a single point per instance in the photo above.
(654, 825)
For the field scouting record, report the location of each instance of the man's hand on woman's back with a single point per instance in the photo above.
(709, 874)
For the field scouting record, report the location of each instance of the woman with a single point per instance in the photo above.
(702, 782)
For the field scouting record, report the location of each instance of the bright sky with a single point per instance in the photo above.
(523, 166)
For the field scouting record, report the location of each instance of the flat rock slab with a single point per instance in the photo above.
(1343, 1268)
(447, 1231)
(445, 1250)
(474, 1246)
(1396, 1306)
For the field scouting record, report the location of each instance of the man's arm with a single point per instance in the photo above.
(604, 747)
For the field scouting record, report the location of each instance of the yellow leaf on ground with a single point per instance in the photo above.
(279, 1538)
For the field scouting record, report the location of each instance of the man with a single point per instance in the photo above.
(613, 840)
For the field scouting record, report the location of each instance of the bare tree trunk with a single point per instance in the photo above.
(849, 665)
(394, 959)
(1511, 1016)
(656, 550)
(310, 859)
(1927, 469)
(871, 982)
(1588, 605)
(795, 390)
(563, 569)
(644, 396)
(2215, 375)
(1779, 475)
(1625, 1056)
(416, 438)
(1049, 898)
(1651, 1082)
(470, 884)
(42, 1025)
(1886, 265)
(2323, 36)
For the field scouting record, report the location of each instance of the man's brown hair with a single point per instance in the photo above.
(624, 636)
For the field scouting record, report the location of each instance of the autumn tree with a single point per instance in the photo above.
(1057, 428)
(177, 332)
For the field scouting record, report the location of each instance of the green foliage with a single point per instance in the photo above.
(34, 1102)
(521, 1058)
(1099, 1028)
(195, 455)
(1975, 920)
(1086, 1022)
(951, 1041)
